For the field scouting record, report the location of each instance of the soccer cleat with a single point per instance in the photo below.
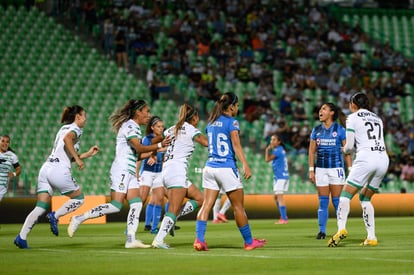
(217, 221)
(222, 217)
(321, 236)
(73, 226)
(200, 246)
(156, 244)
(172, 230)
(147, 228)
(154, 231)
(367, 242)
(337, 238)
(255, 244)
(20, 243)
(53, 223)
(136, 244)
(282, 221)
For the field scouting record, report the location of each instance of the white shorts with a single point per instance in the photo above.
(280, 186)
(122, 181)
(3, 191)
(329, 176)
(366, 171)
(226, 179)
(151, 179)
(175, 176)
(55, 176)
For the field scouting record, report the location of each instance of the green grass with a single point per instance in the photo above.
(291, 249)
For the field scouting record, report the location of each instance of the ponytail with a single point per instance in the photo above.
(222, 105)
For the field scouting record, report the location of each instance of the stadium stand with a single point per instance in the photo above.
(45, 67)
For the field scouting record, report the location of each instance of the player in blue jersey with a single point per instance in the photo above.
(327, 171)
(221, 171)
(276, 153)
(365, 137)
(150, 174)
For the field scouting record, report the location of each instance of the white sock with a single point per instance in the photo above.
(343, 211)
(68, 207)
(133, 220)
(166, 225)
(31, 221)
(188, 207)
(225, 207)
(216, 208)
(369, 219)
(99, 211)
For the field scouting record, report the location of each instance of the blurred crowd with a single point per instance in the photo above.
(317, 57)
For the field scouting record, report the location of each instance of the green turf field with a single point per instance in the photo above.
(291, 249)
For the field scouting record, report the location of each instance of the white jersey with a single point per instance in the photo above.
(7, 160)
(59, 153)
(125, 155)
(182, 146)
(368, 130)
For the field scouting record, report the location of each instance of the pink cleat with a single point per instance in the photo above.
(255, 244)
(200, 246)
(217, 221)
(222, 217)
(281, 221)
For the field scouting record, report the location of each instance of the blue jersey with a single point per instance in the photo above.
(157, 167)
(220, 149)
(280, 163)
(328, 145)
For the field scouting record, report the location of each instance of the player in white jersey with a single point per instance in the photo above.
(55, 174)
(174, 171)
(126, 123)
(8, 162)
(365, 135)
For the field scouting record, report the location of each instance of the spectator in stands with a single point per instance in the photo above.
(126, 123)
(9, 165)
(407, 170)
(56, 174)
(121, 50)
(109, 39)
(299, 112)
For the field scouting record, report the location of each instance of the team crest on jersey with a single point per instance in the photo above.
(236, 123)
(121, 186)
(334, 134)
(318, 141)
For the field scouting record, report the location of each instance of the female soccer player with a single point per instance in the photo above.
(150, 174)
(281, 174)
(56, 174)
(124, 182)
(365, 135)
(221, 171)
(327, 173)
(174, 171)
(8, 161)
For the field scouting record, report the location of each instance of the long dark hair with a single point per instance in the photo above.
(125, 113)
(361, 100)
(222, 105)
(69, 114)
(153, 120)
(337, 113)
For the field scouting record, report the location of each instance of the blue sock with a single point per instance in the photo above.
(167, 204)
(323, 213)
(246, 234)
(283, 214)
(335, 202)
(156, 216)
(201, 227)
(148, 214)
